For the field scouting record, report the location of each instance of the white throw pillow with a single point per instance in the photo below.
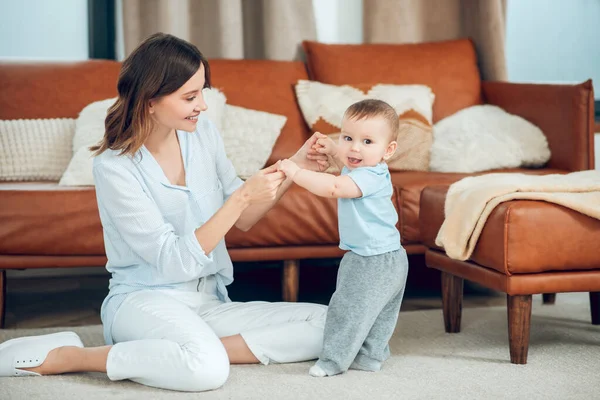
(35, 149)
(485, 137)
(79, 171)
(249, 137)
(89, 125)
(90, 130)
(215, 101)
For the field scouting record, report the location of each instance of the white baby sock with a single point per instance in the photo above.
(317, 371)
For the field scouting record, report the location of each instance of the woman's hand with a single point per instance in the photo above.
(262, 186)
(306, 158)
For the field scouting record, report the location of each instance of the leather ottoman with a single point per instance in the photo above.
(526, 247)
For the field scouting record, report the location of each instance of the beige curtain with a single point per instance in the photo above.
(410, 21)
(263, 29)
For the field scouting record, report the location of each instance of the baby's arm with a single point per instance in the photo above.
(321, 184)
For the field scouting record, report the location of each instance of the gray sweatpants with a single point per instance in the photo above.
(363, 311)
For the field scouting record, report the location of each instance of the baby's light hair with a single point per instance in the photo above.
(375, 108)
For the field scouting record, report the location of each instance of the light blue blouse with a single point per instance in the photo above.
(149, 223)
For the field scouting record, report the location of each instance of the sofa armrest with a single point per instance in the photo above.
(565, 113)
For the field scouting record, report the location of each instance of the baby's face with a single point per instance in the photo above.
(365, 142)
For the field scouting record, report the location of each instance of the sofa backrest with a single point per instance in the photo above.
(61, 90)
(31, 90)
(266, 86)
(449, 68)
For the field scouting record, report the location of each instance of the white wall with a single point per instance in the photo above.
(546, 40)
(43, 29)
(553, 41)
(339, 21)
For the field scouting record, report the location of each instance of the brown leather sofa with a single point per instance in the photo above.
(44, 225)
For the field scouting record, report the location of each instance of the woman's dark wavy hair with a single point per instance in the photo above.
(157, 67)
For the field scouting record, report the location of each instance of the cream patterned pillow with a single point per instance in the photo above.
(249, 137)
(323, 107)
(90, 130)
(35, 149)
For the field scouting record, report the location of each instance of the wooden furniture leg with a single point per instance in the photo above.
(549, 298)
(452, 297)
(291, 280)
(519, 322)
(595, 307)
(2, 297)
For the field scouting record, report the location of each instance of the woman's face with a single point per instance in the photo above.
(180, 109)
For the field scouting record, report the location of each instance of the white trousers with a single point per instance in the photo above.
(170, 339)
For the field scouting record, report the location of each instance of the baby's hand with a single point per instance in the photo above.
(289, 168)
(325, 145)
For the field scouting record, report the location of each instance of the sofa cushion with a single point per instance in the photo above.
(521, 237)
(299, 219)
(35, 149)
(410, 184)
(249, 136)
(89, 131)
(42, 218)
(324, 105)
(449, 68)
(54, 90)
(265, 85)
(485, 137)
(564, 112)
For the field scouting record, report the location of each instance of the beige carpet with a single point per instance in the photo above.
(427, 363)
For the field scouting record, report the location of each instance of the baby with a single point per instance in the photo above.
(364, 309)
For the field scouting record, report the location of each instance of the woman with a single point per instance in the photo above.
(167, 195)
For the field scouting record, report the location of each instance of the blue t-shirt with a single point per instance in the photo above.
(367, 224)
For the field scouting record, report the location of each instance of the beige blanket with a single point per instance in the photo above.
(471, 200)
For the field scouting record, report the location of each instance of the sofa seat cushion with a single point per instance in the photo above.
(410, 184)
(523, 237)
(43, 218)
(299, 219)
